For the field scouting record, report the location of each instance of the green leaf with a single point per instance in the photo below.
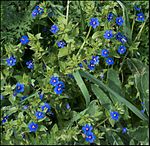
(82, 87)
(116, 95)
(101, 96)
(114, 81)
(96, 34)
(63, 52)
(140, 133)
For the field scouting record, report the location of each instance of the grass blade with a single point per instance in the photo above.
(82, 87)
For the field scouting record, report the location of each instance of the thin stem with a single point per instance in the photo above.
(84, 41)
(51, 20)
(102, 122)
(67, 13)
(123, 61)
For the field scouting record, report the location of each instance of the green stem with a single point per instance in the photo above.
(123, 61)
(51, 20)
(67, 13)
(140, 32)
(102, 122)
(84, 41)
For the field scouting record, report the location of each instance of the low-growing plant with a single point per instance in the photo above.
(74, 72)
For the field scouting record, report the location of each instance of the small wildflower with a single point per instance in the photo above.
(30, 64)
(137, 8)
(108, 34)
(61, 44)
(114, 115)
(90, 137)
(25, 107)
(39, 115)
(33, 127)
(24, 40)
(2, 97)
(94, 22)
(54, 29)
(19, 87)
(34, 13)
(140, 17)
(87, 128)
(39, 9)
(104, 53)
(24, 97)
(122, 49)
(91, 66)
(124, 130)
(110, 16)
(11, 61)
(54, 81)
(41, 95)
(67, 106)
(46, 106)
(61, 84)
(95, 59)
(119, 21)
(4, 119)
(58, 90)
(110, 61)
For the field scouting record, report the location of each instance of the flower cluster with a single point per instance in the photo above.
(61, 44)
(30, 64)
(87, 131)
(140, 15)
(59, 85)
(11, 61)
(93, 62)
(37, 11)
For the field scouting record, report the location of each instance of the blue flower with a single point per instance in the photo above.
(108, 34)
(67, 106)
(121, 49)
(19, 87)
(11, 61)
(87, 128)
(54, 81)
(114, 115)
(61, 44)
(105, 53)
(24, 97)
(34, 13)
(46, 106)
(121, 38)
(110, 61)
(30, 64)
(119, 21)
(140, 17)
(91, 66)
(80, 65)
(124, 130)
(70, 76)
(110, 16)
(39, 9)
(95, 59)
(58, 90)
(41, 95)
(94, 22)
(54, 29)
(4, 119)
(33, 127)
(24, 40)
(25, 107)
(90, 137)
(39, 115)
(137, 8)
(2, 97)
(61, 84)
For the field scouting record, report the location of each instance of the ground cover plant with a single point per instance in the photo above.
(74, 72)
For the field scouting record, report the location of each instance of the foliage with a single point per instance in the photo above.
(91, 89)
